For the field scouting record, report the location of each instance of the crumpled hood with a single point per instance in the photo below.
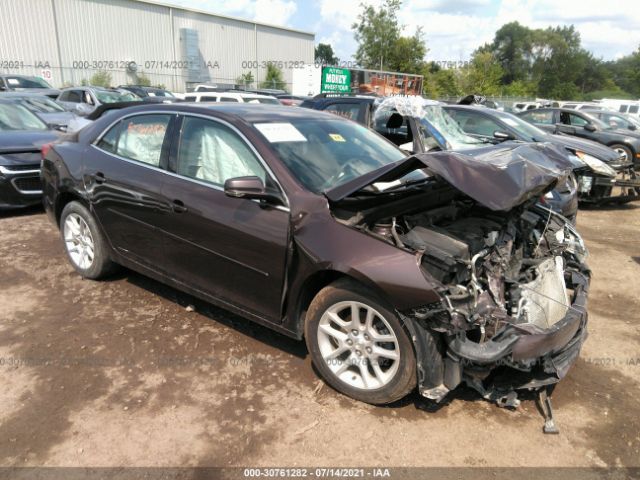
(499, 178)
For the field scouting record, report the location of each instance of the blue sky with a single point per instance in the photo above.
(453, 29)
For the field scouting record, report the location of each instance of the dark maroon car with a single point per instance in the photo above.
(400, 272)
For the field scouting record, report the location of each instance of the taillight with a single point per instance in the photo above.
(45, 149)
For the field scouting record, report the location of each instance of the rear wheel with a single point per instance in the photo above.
(85, 245)
(359, 345)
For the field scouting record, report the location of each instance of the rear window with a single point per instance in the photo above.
(26, 82)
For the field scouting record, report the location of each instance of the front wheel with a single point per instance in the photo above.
(359, 346)
(624, 151)
(84, 243)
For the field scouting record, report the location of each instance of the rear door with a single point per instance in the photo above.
(124, 172)
(232, 249)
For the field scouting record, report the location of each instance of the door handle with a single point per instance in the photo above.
(178, 206)
(99, 177)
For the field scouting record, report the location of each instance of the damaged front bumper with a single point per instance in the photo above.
(521, 356)
(603, 190)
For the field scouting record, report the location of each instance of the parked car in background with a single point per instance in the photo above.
(48, 110)
(596, 172)
(616, 120)
(581, 106)
(144, 91)
(417, 125)
(84, 100)
(581, 124)
(630, 107)
(399, 272)
(25, 83)
(524, 106)
(290, 100)
(22, 136)
(230, 97)
(356, 108)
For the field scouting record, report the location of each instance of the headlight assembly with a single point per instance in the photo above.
(598, 166)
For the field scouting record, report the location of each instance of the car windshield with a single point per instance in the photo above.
(105, 96)
(530, 132)
(26, 82)
(438, 128)
(16, 117)
(41, 105)
(326, 153)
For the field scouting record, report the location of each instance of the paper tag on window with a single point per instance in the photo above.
(336, 137)
(280, 132)
(13, 81)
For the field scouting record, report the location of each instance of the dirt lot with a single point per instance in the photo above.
(121, 373)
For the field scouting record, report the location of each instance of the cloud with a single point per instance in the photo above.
(277, 12)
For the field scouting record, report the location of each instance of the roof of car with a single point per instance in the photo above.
(251, 113)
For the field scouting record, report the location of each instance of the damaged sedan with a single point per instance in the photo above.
(427, 271)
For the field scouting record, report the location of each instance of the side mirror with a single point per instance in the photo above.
(632, 127)
(250, 188)
(502, 136)
(590, 127)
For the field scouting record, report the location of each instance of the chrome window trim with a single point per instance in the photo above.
(264, 164)
(6, 170)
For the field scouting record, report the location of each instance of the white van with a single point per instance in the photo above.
(630, 107)
(237, 97)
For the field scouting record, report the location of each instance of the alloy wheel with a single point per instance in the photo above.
(79, 241)
(358, 345)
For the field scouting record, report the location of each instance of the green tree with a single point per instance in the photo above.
(273, 78)
(324, 54)
(483, 75)
(407, 55)
(101, 78)
(246, 79)
(512, 47)
(377, 32)
(142, 79)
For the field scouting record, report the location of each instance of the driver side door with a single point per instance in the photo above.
(231, 249)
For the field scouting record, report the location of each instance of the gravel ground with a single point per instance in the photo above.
(124, 373)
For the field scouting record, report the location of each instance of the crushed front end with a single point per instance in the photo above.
(514, 294)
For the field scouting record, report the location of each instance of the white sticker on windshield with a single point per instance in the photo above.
(13, 81)
(280, 132)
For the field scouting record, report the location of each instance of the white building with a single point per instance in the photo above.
(68, 41)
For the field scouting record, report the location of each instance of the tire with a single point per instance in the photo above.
(84, 243)
(357, 369)
(621, 148)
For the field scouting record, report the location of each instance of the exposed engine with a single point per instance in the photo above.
(494, 269)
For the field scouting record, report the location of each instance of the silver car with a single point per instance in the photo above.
(84, 100)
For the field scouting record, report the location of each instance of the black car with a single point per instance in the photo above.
(597, 184)
(144, 91)
(419, 125)
(48, 110)
(26, 83)
(399, 272)
(566, 121)
(359, 109)
(615, 120)
(22, 137)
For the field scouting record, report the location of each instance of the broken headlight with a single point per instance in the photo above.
(571, 239)
(598, 166)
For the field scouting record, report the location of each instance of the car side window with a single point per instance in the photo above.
(109, 141)
(345, 110)
(228, 99)
(623, 108)
(633, 109)
(213, 153)
(208, 98)
(577, 120)
(141, 138)
(74, 96)
(544, 117)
